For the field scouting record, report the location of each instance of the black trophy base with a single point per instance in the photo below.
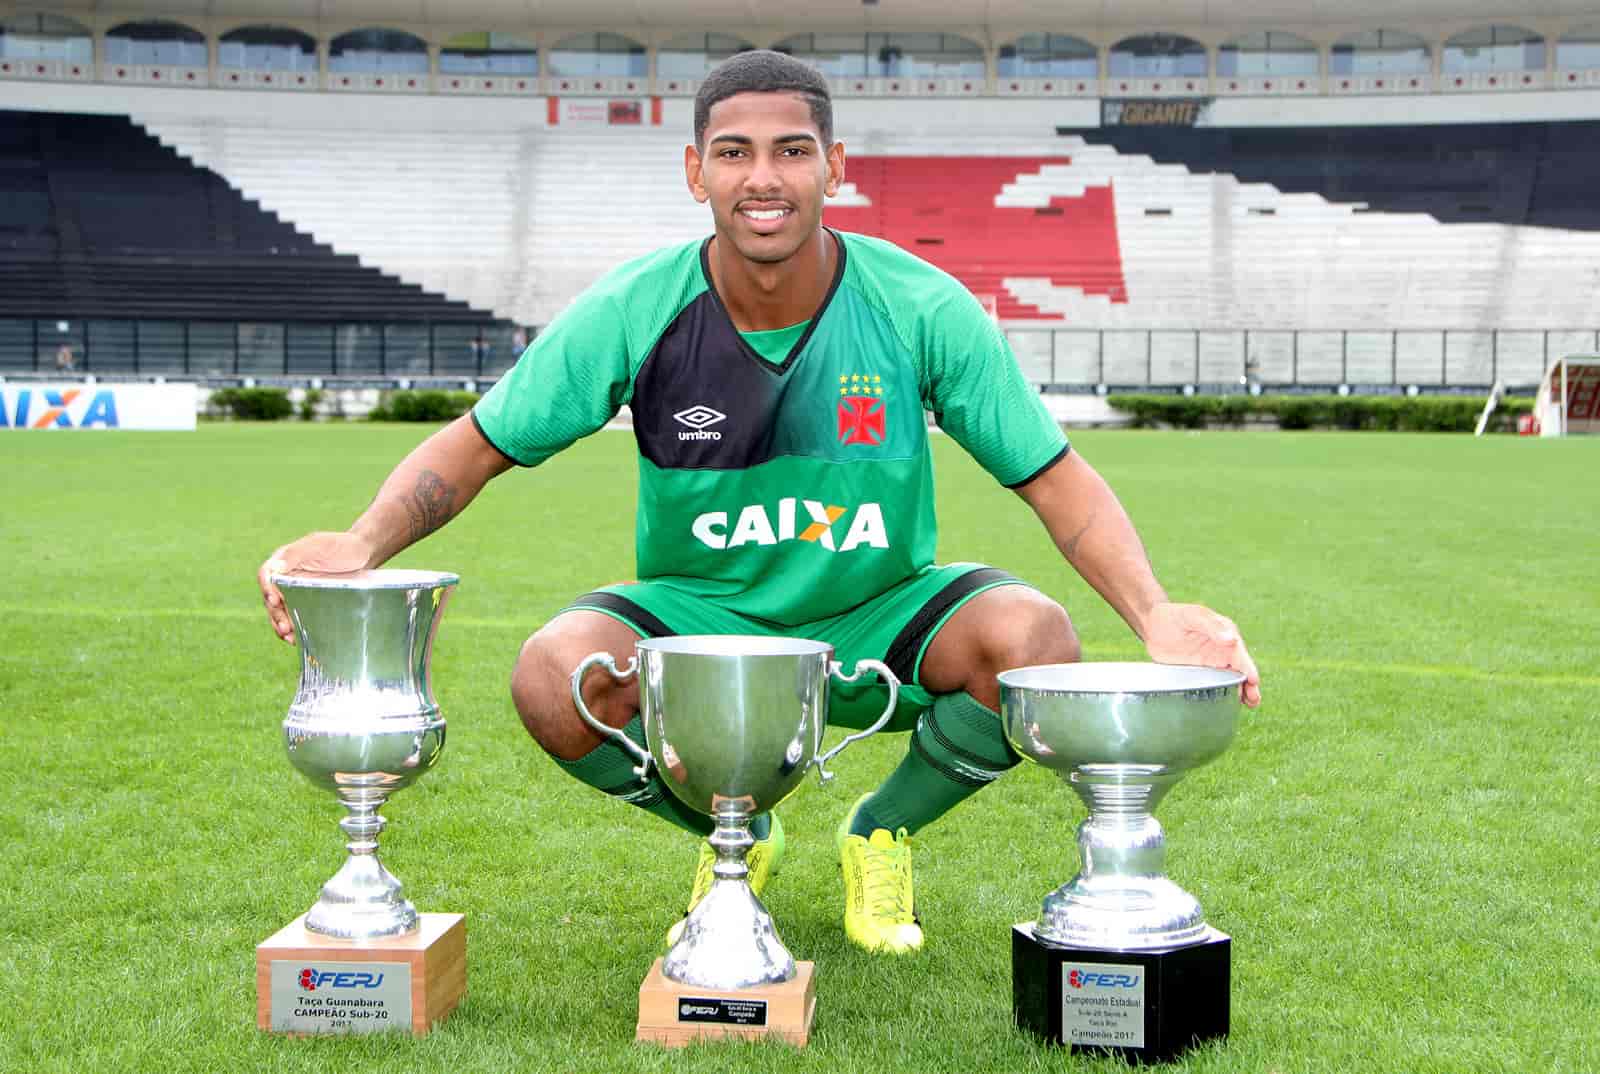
(1146, 1006)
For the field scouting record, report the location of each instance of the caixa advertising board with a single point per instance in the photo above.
(97, 406)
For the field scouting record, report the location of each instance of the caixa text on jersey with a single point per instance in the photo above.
(755, 524)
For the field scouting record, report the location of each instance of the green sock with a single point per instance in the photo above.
(957, 750)
(608, 767)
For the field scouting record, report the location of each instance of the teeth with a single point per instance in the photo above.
(764, 214)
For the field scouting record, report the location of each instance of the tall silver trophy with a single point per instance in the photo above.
(1121, 958)
(363, 724)
(733, 723)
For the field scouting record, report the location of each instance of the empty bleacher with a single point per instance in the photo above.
(1209, 251)
(596, 200)
(1533, 174)
(1106, 261)
(518, 222)
(1067, 231)
(98, 220)
(949, 211)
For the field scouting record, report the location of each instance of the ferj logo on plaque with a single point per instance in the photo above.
(352, 997)
(1103, 1005)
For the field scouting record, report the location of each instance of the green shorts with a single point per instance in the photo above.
(895, 627)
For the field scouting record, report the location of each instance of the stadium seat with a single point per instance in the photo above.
(99, 220)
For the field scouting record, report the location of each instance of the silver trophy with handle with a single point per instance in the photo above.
(733, 723)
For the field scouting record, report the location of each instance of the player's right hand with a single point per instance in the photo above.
(315, 553)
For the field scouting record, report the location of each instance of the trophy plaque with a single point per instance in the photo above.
(1121, 959)
(363, 724)
(733, 722)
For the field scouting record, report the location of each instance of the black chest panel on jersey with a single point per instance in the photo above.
(702, 400)
(705, 400)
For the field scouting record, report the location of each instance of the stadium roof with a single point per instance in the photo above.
(1055, 15)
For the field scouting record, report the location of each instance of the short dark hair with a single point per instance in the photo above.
(764, 71)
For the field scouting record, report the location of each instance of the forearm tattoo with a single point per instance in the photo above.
(1069, 547)
(428, 506)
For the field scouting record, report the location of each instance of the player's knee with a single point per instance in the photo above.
(541, 689)
(1003, 628)
(1057, 637)
(1033, 630)
(536, 689)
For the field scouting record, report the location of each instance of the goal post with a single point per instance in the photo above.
(1569, 397)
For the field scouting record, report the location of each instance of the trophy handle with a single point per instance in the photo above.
(607, 661)
(836, 669)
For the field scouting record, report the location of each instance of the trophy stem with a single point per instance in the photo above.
(363, 899)
(1121, 836)
(731, 839)
(362, 825)
(1121, 897)
(728, 940)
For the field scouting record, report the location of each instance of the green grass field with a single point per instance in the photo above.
(1402, 841)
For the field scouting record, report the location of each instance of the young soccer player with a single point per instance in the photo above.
(778, 373)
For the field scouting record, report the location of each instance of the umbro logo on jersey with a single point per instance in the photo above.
(698, 418)
(756, 526)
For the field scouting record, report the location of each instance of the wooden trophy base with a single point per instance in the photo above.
(312, 984)
(674, 1014)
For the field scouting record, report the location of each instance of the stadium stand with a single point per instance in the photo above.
(382, 194)
(518, 222)
(1533, 174)
(952, 212)
(1452, 242)
(1139, 244)
(1214, 251)
(598, 201)
(98, 220)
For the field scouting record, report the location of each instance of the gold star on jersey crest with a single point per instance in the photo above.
(864, 385)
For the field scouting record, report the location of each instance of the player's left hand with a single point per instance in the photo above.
(1194, 634)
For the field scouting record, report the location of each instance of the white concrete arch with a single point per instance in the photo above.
(220, 27)
(1454, 55)
(63, 28)
(1014, 34)
(62, 20)
(1204, 50)
(551, 66)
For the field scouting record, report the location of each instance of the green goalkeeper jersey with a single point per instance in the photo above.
(787, 490)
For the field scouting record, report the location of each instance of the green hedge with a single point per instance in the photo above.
(1397, 413)
(252, 404)
(426, 405)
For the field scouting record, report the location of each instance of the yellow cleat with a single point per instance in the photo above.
(880, 911)
(762, 861)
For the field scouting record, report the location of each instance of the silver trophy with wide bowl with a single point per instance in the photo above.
(1121, 958)
(733, 723)
(363, 724)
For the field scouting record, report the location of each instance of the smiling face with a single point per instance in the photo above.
(764, 170)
